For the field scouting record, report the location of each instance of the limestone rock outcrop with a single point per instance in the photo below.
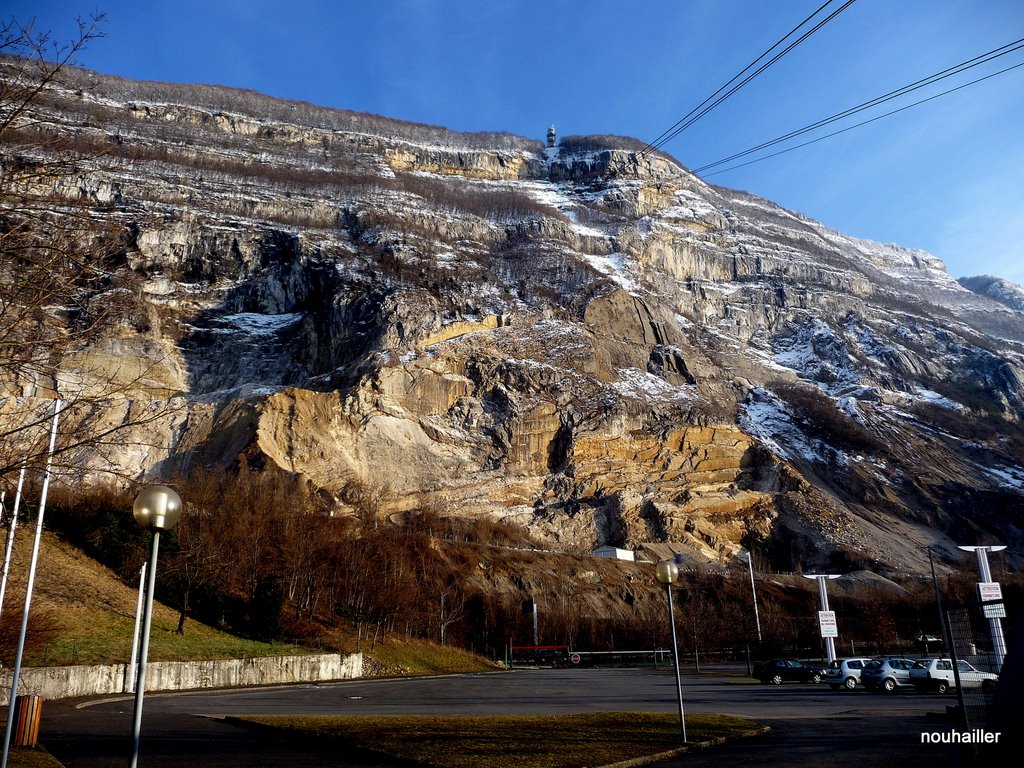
(587, 340)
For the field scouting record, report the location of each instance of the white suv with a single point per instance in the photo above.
(845, 673)
(937, 675)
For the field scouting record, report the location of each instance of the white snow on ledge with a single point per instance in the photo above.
(1007, 477)
(612, 266)
(767, 419)
(256, 324)
(641, 384)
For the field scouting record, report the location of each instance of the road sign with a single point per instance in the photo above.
(575, 658)
(827, 622)
(989, 591)
(994, 611)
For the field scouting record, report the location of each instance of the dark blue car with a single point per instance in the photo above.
(778, 671)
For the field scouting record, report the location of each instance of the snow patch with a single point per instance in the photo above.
(934, 398)
(645, 385)
(614, 266)
(767, 419)
(817, 353)
(256, 324)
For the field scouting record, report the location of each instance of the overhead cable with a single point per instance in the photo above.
(735, 78)
(704, 107)
(963, 66)
(865, 122)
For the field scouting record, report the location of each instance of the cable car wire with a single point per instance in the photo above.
(736, 77)
(865, 122)
(963, 66)
(701, 109)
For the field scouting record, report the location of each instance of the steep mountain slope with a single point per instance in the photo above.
(591, 342)
(997, 288)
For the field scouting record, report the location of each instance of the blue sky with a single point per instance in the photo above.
(947, 177)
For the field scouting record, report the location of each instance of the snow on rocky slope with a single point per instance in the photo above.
(591, 342)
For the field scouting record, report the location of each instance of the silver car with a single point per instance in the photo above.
(845, 673)
(887, 673)
(937, 675)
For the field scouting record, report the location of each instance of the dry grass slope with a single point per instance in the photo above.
(95, 613)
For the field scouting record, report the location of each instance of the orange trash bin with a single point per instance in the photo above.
(28, 711)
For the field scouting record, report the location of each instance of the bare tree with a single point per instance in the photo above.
(64, 281)
(452, 606)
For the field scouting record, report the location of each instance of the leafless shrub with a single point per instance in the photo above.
(818, 416)
(44, 627)
(602, 142)
(459, 197)
(220, 99)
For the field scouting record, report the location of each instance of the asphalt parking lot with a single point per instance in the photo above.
(811, 725)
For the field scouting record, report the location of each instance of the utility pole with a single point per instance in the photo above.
(826, 618)
(990, 594)
(753, 592)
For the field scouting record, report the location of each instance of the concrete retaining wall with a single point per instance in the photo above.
(68, 682)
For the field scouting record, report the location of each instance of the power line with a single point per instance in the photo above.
(865, 122)
(700, 110)
(963, 66)
(779, 42)
(750, 77)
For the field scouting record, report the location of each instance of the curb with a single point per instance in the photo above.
(693, 746)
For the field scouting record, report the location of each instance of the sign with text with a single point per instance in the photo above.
(827, 622)
(989, 591)
(994, 611)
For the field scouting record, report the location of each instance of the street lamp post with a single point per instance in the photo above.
(827, 632)
(667, 572)
(156, 509)
(753, 591)
(995, 626)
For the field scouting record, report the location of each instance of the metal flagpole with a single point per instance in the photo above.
(753, 591)
(16, 672)
(10, 536)
(130, 680)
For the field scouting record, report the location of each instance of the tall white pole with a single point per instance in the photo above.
(130, 680)
(536, 634)
(995, 626)
(753, 592)
(10, 536)
(16, 672)
(822, 578)
(830, 642)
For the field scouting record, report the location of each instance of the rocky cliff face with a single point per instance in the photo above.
(593, 343)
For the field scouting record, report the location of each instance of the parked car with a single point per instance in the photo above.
(779, 670)
(845, 673)
(937, 675)
(887, 673)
